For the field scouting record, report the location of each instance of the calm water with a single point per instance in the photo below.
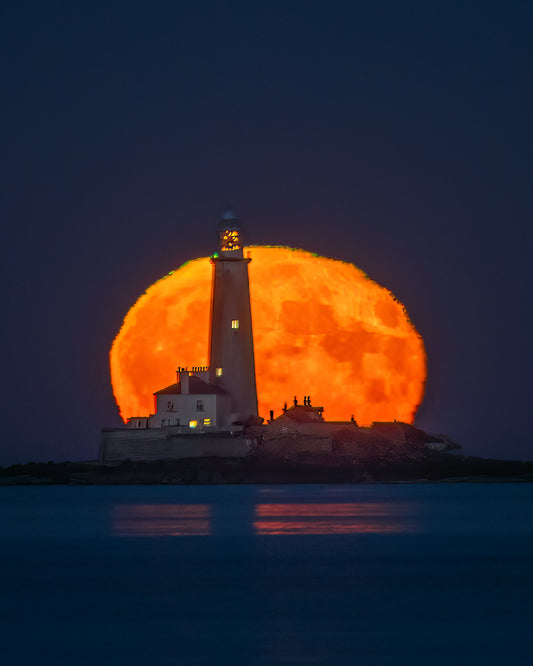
(156, 575)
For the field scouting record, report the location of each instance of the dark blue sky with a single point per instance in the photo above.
(396, 136)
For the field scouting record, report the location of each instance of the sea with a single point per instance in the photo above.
(285, 574)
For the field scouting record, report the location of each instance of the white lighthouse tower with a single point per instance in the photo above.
(231, 359)
(223, 394)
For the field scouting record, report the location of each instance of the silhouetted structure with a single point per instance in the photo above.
(224, 393)
(231, 361)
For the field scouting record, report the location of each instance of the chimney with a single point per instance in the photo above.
(183, 375)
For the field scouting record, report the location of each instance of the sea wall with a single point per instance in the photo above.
(323, 444)
(119, 444)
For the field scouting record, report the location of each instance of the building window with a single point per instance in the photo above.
(199, 405)
(170, 405)
(193, 424)
(218, 372)
(234, 323)
(207, 422)
(230, 241)
(163, 422)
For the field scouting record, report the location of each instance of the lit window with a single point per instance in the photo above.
(230, 241)
(199, 405)
(218, 372)
(193, 424)
(207, 422)
(234, 323)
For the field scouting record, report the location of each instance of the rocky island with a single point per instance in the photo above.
(292, 450)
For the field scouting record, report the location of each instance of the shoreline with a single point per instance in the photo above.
(440, 468)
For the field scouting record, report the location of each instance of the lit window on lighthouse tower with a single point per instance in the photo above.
(230, 241)
(234, 323)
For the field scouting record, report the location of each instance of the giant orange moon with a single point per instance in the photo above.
(321, 328)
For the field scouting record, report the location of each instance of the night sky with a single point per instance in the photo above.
(397, 136)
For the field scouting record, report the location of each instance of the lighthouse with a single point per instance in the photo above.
(231, 357)
(222, 394)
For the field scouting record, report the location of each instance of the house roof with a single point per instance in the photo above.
(196, 387)
(302, 414)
